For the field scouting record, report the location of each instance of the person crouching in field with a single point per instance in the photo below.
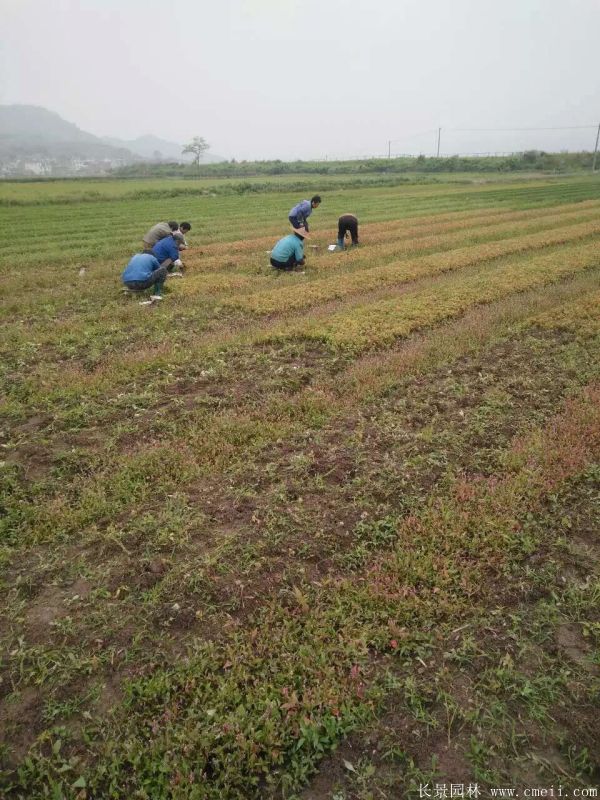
(167, 253)
(144, 271)
(158, 232)
(288, 253)
(347, 224)
(301, 212)
(179, 235)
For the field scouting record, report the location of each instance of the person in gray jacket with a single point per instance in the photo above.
(158, 232)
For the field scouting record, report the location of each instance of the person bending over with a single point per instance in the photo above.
(288, 253)
(179, 235)
(158, 232)
(300, 213)
(144, 271)
(347, 224)
(167, 253)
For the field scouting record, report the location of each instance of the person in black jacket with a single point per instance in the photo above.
(347, 224)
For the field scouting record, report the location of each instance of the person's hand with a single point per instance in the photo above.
(178, 263)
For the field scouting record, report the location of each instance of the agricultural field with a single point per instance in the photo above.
(323, 535)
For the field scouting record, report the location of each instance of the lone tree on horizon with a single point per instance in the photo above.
(197, 146)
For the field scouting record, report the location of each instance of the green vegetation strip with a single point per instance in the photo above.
(114, 229)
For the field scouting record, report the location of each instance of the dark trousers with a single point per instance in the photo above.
(287, 265)
(167, 264)
(298, 222)
(348, 224)
(156, 279)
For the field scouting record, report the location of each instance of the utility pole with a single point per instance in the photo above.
(596, 150)
(390, 148)
(439, 137)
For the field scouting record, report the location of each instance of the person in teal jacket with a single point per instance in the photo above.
(288, 253)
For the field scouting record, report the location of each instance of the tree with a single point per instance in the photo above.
(197, 146)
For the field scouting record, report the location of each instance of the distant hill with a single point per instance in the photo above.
(36, 141)
(39, 125)
(32, 131)
(151, 147)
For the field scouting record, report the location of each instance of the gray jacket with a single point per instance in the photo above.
(156, 233)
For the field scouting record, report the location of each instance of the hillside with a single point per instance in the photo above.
(32, 130)
(36, 141)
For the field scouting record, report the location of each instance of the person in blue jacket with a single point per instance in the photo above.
(166, 250)
(302, 211)
(144, 271)
(288, 253)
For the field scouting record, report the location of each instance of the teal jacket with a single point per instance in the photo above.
(290, 245)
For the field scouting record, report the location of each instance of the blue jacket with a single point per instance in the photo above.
(301, 211)
(141, 266)
(166, 248)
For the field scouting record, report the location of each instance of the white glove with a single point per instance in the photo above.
(178, 263)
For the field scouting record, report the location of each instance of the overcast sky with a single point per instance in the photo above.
(311, 78)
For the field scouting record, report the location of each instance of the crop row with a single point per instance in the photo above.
(380, 322)
(580, 315)
(223, 254)
(330, 287)
(229, 218)
(294, 297)
(381, 252)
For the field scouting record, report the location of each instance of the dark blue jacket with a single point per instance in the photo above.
(166, 248)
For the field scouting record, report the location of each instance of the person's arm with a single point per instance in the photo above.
(173, 250)
(306, 211)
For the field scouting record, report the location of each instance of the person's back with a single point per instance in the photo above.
(289, 252)
(156, 233)
(288, 246)
(140, 267)
(302, 209)
(347, 224)
(166, 249)
(300, 213)
(144, 271)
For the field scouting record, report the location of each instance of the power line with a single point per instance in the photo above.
(438, 131)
